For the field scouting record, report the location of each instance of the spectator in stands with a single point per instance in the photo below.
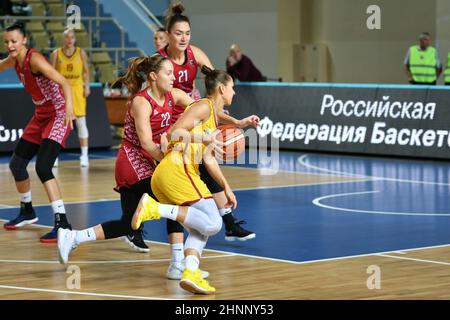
(422, 63)
(240, 67)
(447, 71)
(21, 8)
(160, 39)
(5, 8)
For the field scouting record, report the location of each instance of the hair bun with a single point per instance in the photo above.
(177, 8)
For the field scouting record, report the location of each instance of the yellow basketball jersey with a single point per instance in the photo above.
(71, 67)
(176, 179)
(195, 152)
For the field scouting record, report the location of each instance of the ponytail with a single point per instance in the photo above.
(213, 78)
(138, 70)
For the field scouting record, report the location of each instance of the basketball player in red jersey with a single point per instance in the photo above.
(46, 132)
(186, 60)
(148, 115)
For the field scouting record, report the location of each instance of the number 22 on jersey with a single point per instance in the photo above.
(165, 119)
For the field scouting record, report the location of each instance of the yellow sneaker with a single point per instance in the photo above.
(147, 209)
(192, 281)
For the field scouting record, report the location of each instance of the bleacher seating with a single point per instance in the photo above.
(47, 34)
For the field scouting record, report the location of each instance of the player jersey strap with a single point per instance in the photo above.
(213, 113)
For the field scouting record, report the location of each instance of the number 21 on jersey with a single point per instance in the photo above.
(182, 76)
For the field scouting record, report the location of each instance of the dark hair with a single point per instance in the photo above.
(19, 26)
(138, 70)
(175, 15)
(424, 35)
(161, 30)
(213, 78)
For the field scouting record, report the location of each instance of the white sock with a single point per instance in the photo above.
(25, 197)
(84, 151)
(177, 252)
(85, 235)
(58, 206)
(168, 211)
(225, 211)
(192, 262)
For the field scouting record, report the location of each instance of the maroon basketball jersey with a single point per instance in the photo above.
(43, 91)
(184, 74)
(159, 119)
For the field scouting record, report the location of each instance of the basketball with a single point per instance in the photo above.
(234, 142)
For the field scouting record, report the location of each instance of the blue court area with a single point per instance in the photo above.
(400, 204)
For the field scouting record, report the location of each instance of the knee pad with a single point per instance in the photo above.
(174, 227)
(215, 227)
(83, 132)
(18, 167)
(48, 152)
(44, 170)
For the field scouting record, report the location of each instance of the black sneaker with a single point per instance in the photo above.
(26, 216)
(60, 222)
(236, 232)
(136, 241)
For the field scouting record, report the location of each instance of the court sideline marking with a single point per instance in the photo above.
(237, 254)
(105, 295)
(317, 202)
(414, 259)
(302, 161)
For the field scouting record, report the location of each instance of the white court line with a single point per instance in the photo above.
(415, 259)
(105, 295)
(90, 156)
(317, 202)
(301, 160)
(105, 261)
(69, 202)
(235, 189)
(319, 260)
(283, 171)
(299, 185)
(236, 254)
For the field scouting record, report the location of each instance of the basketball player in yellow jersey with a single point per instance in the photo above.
(72, 63)
(176, 182)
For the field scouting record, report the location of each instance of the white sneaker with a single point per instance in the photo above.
(176, 269)
(84, 161)
(66, 243)
(56, 163)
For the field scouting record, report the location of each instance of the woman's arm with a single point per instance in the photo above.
(181, 98)
(7, 63)
(86, 74)
(252, 120)
(201, 58)
(40, 65)
(180, 131)
(141, 111)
